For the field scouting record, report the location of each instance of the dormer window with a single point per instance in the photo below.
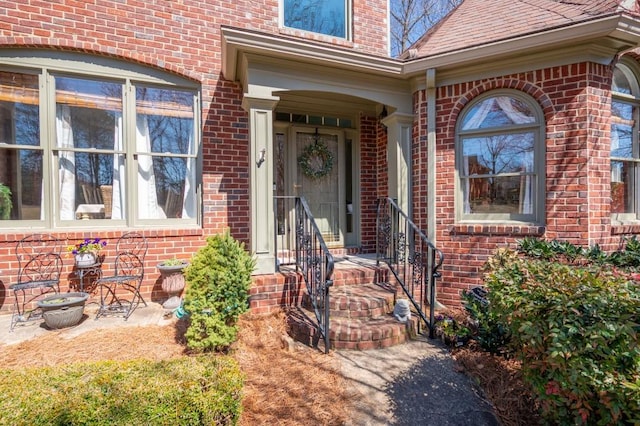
(329, 17)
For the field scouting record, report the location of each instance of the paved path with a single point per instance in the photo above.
(412, 384)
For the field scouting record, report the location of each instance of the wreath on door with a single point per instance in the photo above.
(316, 161)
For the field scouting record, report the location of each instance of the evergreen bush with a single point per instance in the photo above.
(218, 282)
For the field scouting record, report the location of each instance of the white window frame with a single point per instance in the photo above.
(537, 128)
(47, 65)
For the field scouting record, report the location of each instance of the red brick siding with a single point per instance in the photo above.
(372, 146)
(182, 38)
(575, 101)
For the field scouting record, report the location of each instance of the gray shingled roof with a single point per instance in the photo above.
(478, 22)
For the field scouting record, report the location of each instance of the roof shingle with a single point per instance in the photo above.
(478, 22)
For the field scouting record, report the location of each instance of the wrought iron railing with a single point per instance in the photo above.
(305, 248)
(412, 259)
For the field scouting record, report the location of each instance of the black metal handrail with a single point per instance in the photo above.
(311, 256)
(410, 256)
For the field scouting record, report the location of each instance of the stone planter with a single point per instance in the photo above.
(85, 259)
(172, 283)
(63, 309)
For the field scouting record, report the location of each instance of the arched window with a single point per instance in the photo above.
(500, 159)
(89, 141)
(625, 155)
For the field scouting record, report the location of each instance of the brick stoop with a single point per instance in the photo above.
(360, 312)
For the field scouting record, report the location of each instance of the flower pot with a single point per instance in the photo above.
(63, 309)
(85, 259)
(172, 283)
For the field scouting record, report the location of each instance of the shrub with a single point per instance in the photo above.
(576, 332)
(218, 279)
(186, 391)
(491, 334)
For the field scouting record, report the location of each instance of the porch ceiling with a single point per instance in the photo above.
(323, 102)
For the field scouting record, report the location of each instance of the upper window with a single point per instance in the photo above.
(499, 159)
(330, 17)
(105, 150)
(625, 153)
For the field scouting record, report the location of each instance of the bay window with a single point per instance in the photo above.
(625, 153)
(108, 149)
(500, 160)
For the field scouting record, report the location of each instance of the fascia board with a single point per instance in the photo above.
(622, 32)
(235, 40)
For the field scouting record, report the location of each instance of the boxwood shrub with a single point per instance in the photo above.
(186, 391)
(575, 328)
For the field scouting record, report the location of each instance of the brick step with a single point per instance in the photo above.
(358, 300)
(351, 333)
(354, 274)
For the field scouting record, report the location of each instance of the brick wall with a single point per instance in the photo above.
(575, 101)
(182, 38)
(372, 174)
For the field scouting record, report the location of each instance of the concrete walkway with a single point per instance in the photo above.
(415, 383)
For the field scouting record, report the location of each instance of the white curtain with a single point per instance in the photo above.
(66, 167)
(526, 183)
(479, 115)
(118, 204)
(467, 184)
(148, 207)
(188, 203)
(504, 102)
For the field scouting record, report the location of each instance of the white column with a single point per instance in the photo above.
(261, 180)
(399, 128)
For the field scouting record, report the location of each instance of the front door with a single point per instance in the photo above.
(317, 161)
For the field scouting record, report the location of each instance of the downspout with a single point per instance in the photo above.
(431, 165)
(431, 154)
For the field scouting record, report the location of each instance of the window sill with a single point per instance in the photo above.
(625, 228)
(494, 230)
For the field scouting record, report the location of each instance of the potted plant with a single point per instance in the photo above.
(86, 252)
(173, 283)
(63, 309)
(5, 202)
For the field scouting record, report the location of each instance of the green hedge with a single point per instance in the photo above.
(186, 391)
(575, 328)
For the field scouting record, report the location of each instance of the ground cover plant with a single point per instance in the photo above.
(186, 391)
(274, 391)
(571, 317)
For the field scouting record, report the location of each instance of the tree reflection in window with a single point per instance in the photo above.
(319, 16)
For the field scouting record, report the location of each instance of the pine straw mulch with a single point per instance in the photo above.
(500, 379)
(285, 384)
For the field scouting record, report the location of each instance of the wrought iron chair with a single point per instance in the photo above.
(39, 269)
(120, 292)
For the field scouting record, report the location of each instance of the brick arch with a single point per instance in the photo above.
(128, 55)
(530, 89)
